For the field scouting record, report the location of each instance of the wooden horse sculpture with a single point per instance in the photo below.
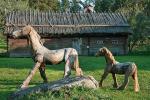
(42, 55)
(114, 67)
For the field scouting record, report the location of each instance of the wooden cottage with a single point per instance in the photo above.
(86, 32)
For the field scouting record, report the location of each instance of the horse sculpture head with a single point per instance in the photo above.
(102, 51)
(22, 32)
(105, 52)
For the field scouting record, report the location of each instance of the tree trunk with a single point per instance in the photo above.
(88, 82)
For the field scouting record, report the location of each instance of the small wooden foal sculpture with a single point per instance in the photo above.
(114, 67)
(42, 55)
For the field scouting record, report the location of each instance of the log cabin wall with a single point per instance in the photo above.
(18, 48)
(84, 46)
(115, 44)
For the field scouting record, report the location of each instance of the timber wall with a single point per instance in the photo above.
(84, 46)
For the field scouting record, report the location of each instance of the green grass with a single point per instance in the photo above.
(3, 46)
(14, 70)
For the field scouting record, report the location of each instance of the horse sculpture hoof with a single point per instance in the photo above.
(79, 72)
(137, 90)
(120, 88)
(45, 81)
(24, 86)
(100, 84)
(115, 86)
(67, 76)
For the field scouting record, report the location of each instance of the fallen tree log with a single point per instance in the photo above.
(88, 82)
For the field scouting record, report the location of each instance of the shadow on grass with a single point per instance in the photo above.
(7, 87)
(16, 83)
(5, 94)
(87, 63)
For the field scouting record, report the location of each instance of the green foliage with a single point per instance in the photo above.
(139, 21)
(8, 6)
(43, 5)
(65, 5)
(137, 12)
(75, 6)
(14, 70)
(103, 5)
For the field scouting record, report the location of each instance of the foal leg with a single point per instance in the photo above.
(136, 84)
(42, 72)
(115, 85)
(103, 77)
(126, 81)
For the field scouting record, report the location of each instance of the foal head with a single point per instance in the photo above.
(22, 32)
(102, 51)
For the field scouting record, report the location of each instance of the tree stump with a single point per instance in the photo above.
(88, 82)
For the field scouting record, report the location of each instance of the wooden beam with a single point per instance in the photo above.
(82, 25)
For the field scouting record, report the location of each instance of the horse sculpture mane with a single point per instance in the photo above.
(42, 55)
(108, 55)
(114, 67)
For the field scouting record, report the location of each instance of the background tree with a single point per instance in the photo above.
(42, 5)
(103, 5)
(65, 5)
(8, 6)
(138, 15)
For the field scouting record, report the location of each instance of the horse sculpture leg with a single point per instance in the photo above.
(67, 71)
(42, 72)
(78, 70)
(32, 72)
(103, 77)
(39, 60)
(106, 72)
(72, 61)
(115, 85)
(136, 84)
(126, 81)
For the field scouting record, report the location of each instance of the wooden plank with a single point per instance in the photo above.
(124, 18)
(23, 17)
(63, 22)
(84, 25)
(50, 21)
(26, 17)
(69, 21)
(114, 17)
(78, 21)
(42, 22)
(111, 17)
(10, 21)
(46, 22)
(18, 17)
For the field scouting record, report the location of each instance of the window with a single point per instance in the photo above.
(115, 42)
(99, 42)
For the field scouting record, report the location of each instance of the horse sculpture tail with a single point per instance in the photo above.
(77, 67)
(135, 77)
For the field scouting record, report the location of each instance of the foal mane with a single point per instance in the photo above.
(109, 55)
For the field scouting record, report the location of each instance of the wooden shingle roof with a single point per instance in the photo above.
(50, 23)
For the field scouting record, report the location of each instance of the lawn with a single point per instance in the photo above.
(14, 70)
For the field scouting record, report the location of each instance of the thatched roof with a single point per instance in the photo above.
(50, 23)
